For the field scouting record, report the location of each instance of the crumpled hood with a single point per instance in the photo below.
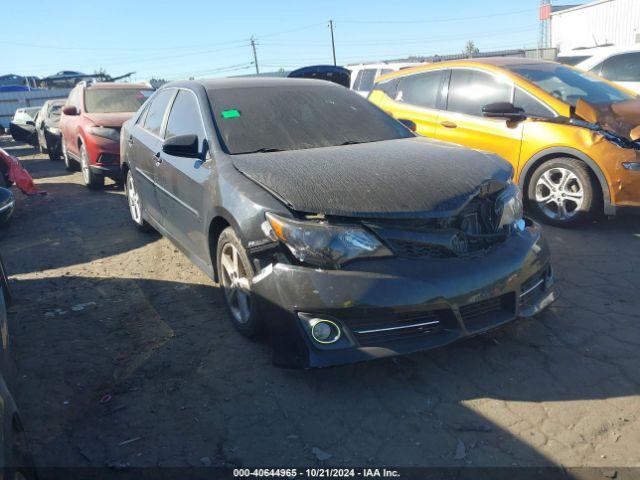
(405, 177)
(620, 118)
(114, 120)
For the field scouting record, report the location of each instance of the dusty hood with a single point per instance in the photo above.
(414, 176)
(109, 119)
(621, 118)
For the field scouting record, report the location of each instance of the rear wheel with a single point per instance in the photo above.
(91, 180)
(235, 273)
(562, 192)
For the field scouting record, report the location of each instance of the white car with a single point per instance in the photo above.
(363, 75)
(618, 64)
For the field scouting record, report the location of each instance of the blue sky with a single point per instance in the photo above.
(186, 38)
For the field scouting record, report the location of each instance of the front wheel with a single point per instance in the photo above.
(562, 192)
(235, 274)
(91, 180)
(135, 204)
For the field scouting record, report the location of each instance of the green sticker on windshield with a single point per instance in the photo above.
(233, 113)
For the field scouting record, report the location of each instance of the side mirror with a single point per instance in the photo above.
(182, 146)
(70, 110)
(31, 122)
(503, 110)
(409, 124)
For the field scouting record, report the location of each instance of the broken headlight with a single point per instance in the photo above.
(321, 243)
(509, 207)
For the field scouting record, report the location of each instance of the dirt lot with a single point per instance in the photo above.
(102, 309)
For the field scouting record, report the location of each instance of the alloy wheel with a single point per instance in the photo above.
(235, 283)
(559, 193)
(134, 200)
(85, 166)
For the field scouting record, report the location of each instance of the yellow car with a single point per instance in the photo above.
(570, 136)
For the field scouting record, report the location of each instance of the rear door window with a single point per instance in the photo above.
(622, 68)
(155, 112)
(420, 89)
(470, 90)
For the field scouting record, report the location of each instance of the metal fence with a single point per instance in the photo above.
(11, 101)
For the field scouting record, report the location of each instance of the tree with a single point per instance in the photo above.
(470, 49)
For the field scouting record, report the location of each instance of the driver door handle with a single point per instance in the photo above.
(158, 158)
(448, 124)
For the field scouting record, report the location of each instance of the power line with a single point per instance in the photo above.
(438, 20)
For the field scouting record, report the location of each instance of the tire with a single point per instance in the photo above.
(69, 164)
(90, 179)
(563, 192)
(136, 210)
(239, 301)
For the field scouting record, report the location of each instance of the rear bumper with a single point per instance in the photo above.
(399, 306)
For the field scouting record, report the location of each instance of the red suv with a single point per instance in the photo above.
(90, 127)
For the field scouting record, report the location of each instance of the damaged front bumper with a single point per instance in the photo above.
(398, 306)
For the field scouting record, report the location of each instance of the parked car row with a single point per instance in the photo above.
(354, 229)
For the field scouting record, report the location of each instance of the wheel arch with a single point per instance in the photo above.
(557, 152)
(218, 223)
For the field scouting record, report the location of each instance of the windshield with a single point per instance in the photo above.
(54, 111)
(110, 100)
(295, 117)
(568, 84)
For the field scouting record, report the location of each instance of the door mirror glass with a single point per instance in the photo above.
(503, 110)
(70, 110)
(182, 146)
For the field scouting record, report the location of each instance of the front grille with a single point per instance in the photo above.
(486, 309)
(409, 249)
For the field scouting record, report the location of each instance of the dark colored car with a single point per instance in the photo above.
(90, 127)
(16, 461)
(330, 223)
(7, 204)
(331, 73)
(48, 128)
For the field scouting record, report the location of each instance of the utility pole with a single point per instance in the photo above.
(255, 55)
(333, 43)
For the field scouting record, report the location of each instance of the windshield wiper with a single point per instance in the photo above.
(353, 142)
(261, 150)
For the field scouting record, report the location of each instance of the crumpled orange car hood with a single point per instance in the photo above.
(621, 118)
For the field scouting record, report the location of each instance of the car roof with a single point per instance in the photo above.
(247, 82)
(593, 51)
(116, 86)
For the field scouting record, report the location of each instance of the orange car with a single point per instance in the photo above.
(571, 137)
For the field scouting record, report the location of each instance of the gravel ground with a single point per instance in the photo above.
(125, 356)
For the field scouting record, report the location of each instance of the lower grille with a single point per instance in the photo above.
(532, 287)
(476, 312)
(401, 326)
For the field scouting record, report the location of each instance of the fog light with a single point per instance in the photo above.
(324, 331)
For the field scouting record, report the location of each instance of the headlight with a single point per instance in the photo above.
(323, 244)
(509, 206)
(104, 132)
(54, 130)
